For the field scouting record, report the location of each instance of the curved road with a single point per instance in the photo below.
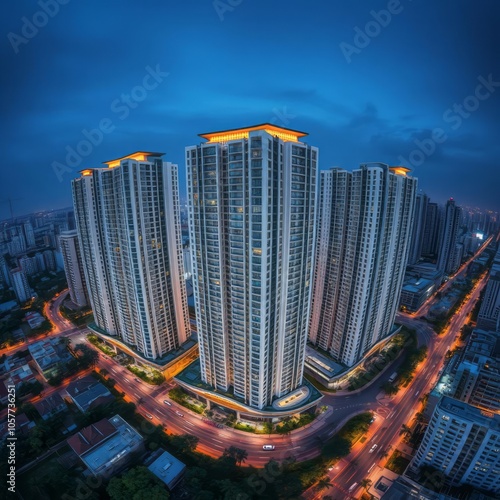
(304, 443)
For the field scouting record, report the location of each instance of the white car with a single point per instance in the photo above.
(268, 447)
(167, 402)
(179, 413)
(373, 448)
(148, 415)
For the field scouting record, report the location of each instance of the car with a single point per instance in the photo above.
(373, 448)
(148, 415)
(179, 413)
(136, 379)
(268, 447)
(167, 402)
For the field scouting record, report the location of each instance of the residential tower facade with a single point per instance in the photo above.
(128, 224)
(251, 199)
(363, 233)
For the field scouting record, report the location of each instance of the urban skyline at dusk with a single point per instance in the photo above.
(401, 82)
(250, 250)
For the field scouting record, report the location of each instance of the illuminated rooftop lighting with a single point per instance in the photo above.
(399, 170)
(282, 133)
(138, 156)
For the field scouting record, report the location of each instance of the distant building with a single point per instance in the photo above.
(489, 313)
(73, 267)
(167, 468)
(20, 284)
(40, 261)
(363, 236)
(4, 271)
(415, 292)
(50, 406)
(432, 230)
(463, 443)
(28, 265)
(404, 488)
(29, 234)
(49, 259)
(425, 270)
(417, 237)
(87, 392)
(473, 376)
(106, 446)
(448, 260)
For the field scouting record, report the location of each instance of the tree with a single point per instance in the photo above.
(137, 484)
(230, 489)
(86, 355)
(366, 483)
(65, 341)
(405, 430)
(268, 427)
(195, 479)
(418, 417)
(185, 442)
(238, 454)
(337, 447)
(103, 372)
(324, 483)
(389, 389)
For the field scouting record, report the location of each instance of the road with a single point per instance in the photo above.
(393, 413)
(304, 443)
(424, 308)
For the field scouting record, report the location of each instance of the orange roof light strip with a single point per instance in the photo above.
(282, 133)
(400, 170)
(138, 156)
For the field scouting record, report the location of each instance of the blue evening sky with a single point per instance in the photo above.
(366, 87)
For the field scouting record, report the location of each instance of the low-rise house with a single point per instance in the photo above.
(50, 356)
(106, 446)
(19, 376)
(50, 406)
(87, 392)
(167, 468)
(34, 319)
(23, 423)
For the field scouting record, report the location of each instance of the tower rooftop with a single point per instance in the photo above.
(138, 156)
(286, 134)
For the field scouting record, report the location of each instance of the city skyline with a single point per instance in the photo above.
(250, 250)
(378, 88)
